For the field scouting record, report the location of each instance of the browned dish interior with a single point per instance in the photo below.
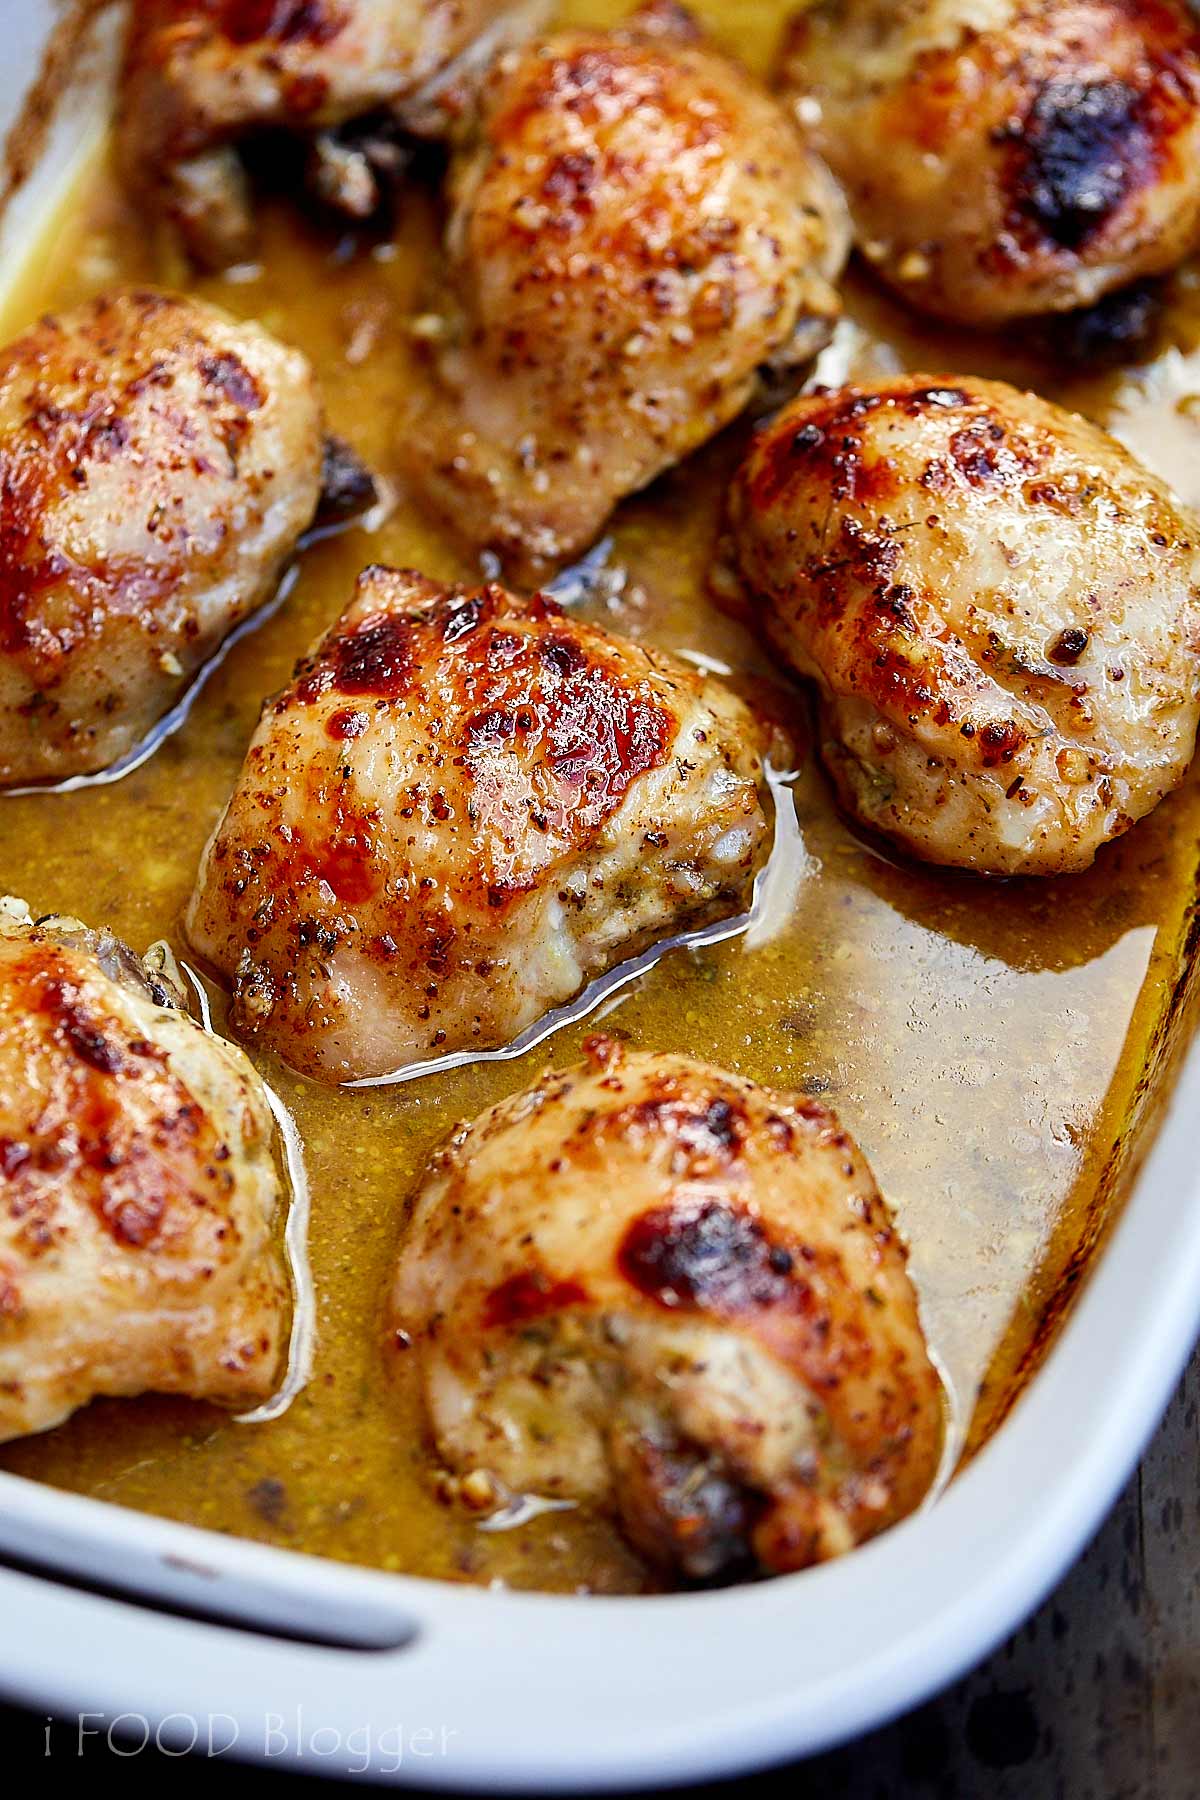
(993, 1047)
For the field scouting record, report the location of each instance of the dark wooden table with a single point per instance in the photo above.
(1096, 1698)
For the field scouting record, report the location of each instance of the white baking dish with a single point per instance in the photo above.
(349, 1670)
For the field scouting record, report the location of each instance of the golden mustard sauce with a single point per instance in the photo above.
(984, 1042)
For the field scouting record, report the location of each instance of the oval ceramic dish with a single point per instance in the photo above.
(208, 1640)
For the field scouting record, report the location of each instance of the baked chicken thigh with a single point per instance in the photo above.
(157, 464)
(464, 807)
(662, 1291)
(635, 230)
(999, 606)
(1007, 157)
(137, 1188)
(201, 74)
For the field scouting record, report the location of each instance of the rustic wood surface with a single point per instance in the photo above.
(1096, 1698)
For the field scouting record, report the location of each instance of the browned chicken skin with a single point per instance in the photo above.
(137, 1188)
(660, 1290)
(1000, 607)
(1007, 157)
(634, 231)
(200, 74)
(464, 807)
(157, 464)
